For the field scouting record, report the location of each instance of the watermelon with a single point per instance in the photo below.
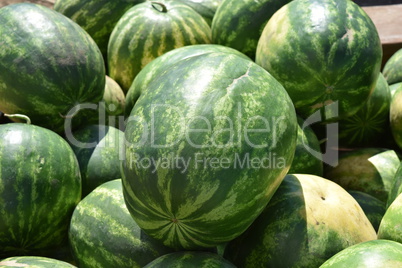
(370, 254)
(369, 170)
(372, 207)
(34, 262)
(396, 187)
(97, 18)
(396, 116)
(393, 68)
(307, 221)
(323, 52)
(149, 30)
(98, 150)
(162, 63)
(103, 234)
(209, 142)
(366, 127)
(308, 158)
(239, 24)
(40, 184)
(114, 98)
(391, 224)
(394, 87)
(49, 65)
(206, 8)
(190, 259)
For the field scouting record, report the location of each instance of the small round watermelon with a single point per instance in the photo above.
(49, 65)
(327, 55)
(370, 254)
(40, 185)
(148, 30)
(103, 234)
(391, 224)
(393, 68)
(98, 150)
(34, 262)
(190, 259)
(307, 221)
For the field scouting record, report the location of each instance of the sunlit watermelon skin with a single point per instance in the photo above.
(370, 254)
(40, 184)
(201, 207)
(307, 221)
(163, 63)
(323, 52)
(34, 262)
(49, 65)
(391, 224)
(393, 68)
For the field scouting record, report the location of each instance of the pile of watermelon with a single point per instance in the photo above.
(198, 133)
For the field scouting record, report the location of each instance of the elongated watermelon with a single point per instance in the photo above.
(323, 52)
(103, 234)
(307, 221)
(208, 143)
(239, 24)
(40, 184)
(370, 254)
(163, 63)
(98, 150)
(148, 30)
(190, 259)
(49, 65)
(34, 262)
(97, 18)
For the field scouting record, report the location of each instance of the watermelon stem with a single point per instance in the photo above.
(19, 116)
(159, 6)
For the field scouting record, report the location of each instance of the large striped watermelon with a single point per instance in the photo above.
(208, 143)
(49, 65)
(323, 52)
(391, 224)
(103, 234)
(40, 184)
(98, 150)
(307, 221)
(190, 259)
(97, 18)
(239, 24)
(148, 30)
(370, 254)
(162, 63)
(34, 262)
